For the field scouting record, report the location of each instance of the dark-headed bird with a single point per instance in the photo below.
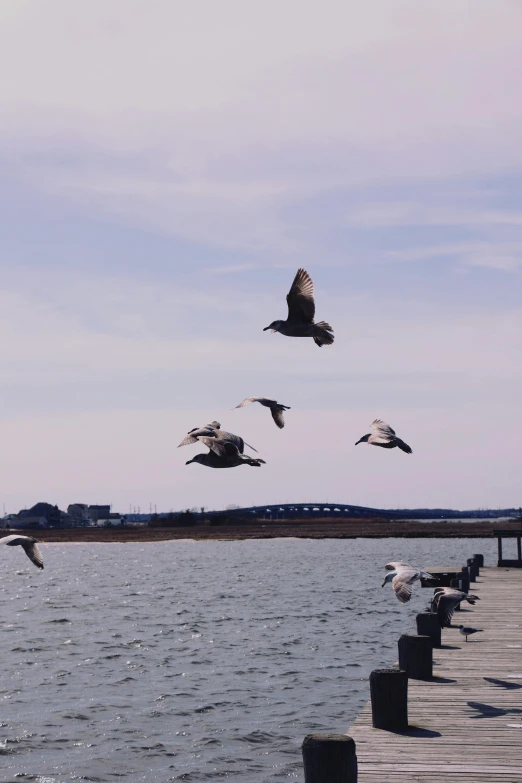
(223, 454)
(213, 430)
(29, 546)
(466, 631)
(382, 435)
(301, 313)
(276, 409)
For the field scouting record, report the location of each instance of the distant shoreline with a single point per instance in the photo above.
(295, 529)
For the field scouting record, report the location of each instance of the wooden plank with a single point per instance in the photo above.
(466, 723)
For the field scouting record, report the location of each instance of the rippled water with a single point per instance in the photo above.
(194, 661)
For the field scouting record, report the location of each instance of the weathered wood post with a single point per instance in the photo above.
(329, 758)
(473, 571)
(479, 560)
(428, 625)
(389, 695)
(464, 580)
(416, 656)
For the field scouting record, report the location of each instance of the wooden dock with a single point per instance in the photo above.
(466, 723)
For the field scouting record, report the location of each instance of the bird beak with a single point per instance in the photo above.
(385, 579)
(357, 443)
(265, 329)
(188, 463)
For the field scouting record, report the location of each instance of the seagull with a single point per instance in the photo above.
(466, 631)
(29, 545)
(276, 409)
(383, 435)
(446, 599)
(301, 312)
(223, 454)
(213, 430)
(402, 576)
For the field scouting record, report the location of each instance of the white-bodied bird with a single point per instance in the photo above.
(402, 576)
(29, 545)
(466, 631)
(276, 408)
(382, 435)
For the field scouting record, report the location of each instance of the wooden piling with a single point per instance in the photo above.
(389, 698)
(428, 625)
(479, 560)
(464, 580)
(416, 656)
(329, 758)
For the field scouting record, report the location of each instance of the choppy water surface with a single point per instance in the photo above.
(194, 661)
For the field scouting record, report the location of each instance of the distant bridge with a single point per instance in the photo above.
(303, 510)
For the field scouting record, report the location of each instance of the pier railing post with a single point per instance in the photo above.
(329, 758)
(428, 625)
(479, 560)
(389, 696)
(416, 656)
(464, 579)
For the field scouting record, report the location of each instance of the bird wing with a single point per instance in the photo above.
(12, 539)
(223, 448)
(395, 565)
(445, 608)
(277, 415)
(248, 400)
(382, 430)
(300, 298)
(402, 585)
(403, 446)
(33, 553)
(193, 435)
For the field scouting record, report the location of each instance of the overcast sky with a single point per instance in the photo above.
(165, 169)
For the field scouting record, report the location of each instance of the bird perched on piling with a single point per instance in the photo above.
(223, 454)
(466, 631)
(402, 576)
(383, 435)
(29, 545)
(301, 313)
(445, 600)
(213, 430)
(276, 409)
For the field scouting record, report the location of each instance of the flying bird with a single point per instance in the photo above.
(383, 435)
(276, 409)
(466, 631)
(29, 545)
(301, 312)
(402, 576)
(223, 454)
(445, 600)
(213, 430)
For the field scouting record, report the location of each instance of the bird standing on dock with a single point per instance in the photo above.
(383, 435)
(213, 430)
(29, 545)
(445, 600)
(276, 409)
(223, 454)
(466, 631)
(402, 576)
(301, 313)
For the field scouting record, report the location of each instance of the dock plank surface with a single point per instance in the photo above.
(466, 723)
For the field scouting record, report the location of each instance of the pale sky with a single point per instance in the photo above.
(167, 167)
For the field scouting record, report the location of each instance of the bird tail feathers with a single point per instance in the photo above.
(323, 334)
